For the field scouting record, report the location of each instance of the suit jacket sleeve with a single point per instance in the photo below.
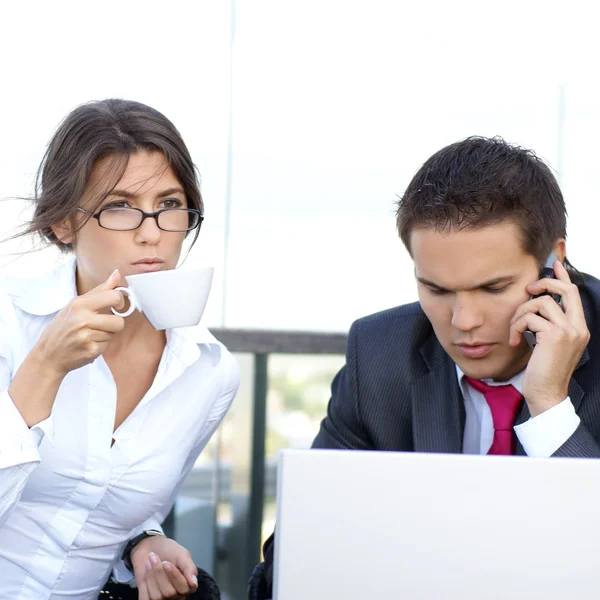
(343, 428)
(581, 444)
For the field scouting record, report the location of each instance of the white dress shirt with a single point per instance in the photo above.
(68, 500)
(540, 436)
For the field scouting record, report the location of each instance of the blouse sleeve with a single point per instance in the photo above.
(19, 444)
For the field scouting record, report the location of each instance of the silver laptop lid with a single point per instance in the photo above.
(378, 525)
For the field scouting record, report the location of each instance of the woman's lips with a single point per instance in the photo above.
(145, 266)
(475, 350)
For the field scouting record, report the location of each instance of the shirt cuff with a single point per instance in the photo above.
(18, 443)
(120, 573)
(543, 435)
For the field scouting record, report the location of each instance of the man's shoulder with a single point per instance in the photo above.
(404, 315)
(402, 329)
(589, 290)
(393, 347)
(590, 284)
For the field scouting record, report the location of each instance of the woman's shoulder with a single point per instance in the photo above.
(203, 337)
(222, 358)
(206, 339)
(190, 343)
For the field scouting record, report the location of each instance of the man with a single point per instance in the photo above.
(454, 372)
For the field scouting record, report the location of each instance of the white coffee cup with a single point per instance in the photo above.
(168, 299)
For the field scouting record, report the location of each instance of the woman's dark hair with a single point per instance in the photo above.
(482, 181)
(112, 128)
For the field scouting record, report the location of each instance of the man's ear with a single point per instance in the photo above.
(64, 231)
(560, 249)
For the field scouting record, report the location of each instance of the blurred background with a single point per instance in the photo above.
(306, 121)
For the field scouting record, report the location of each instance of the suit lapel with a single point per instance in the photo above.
(575, 393)
(523, 415)
(575, 390)
(437, 405)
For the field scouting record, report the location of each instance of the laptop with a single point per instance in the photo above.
(357, 525)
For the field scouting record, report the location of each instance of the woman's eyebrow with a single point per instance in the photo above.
(170, 191)
(128, 194)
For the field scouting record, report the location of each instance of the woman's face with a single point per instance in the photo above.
(149, 184)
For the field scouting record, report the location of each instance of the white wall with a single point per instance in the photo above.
(335, 106)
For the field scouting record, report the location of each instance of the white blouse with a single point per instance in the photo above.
(68, 500)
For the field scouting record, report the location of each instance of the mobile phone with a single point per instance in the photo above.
(547, 271)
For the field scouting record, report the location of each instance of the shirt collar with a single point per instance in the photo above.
(516, 381)
(47, 294)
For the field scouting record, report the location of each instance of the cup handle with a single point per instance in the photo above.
(132, 305)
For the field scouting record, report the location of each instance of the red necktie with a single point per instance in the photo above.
(504, 402)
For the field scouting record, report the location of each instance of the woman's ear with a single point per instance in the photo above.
(63, 231)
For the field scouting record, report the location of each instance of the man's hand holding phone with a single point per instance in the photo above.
(561, 337)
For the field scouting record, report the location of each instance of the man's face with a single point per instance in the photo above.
(470, 284)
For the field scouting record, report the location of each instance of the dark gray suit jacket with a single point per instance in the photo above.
(399, 392)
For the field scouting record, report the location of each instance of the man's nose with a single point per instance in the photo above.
(466, 314)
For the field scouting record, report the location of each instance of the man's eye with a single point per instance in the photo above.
(172, 203)
(495, 290)
(437, 292)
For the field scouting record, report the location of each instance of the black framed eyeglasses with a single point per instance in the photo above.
(126, 218)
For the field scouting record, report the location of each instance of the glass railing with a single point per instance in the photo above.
(226, 508)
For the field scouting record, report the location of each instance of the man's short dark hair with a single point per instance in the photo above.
(484, 181)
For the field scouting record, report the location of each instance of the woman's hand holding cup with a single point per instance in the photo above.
(83, 329)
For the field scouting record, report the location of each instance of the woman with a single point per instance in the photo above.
(101, 417)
